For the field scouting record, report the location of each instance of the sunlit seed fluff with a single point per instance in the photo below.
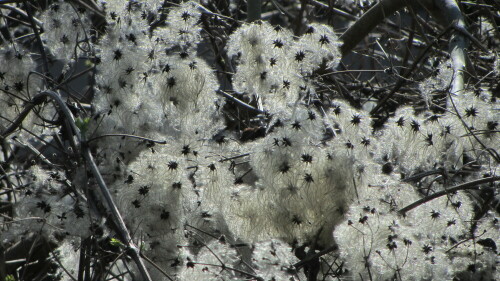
(182, 29)
(436, 83)
(374, 226)
(64, 27)
(297, 185)
(319, 44)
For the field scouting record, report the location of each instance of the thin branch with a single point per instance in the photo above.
(315, 256)
(255, 277)
(122, 228)
(21, 12)
(245, 105)
(490, 150)
(35, 152)
(419, 176)
(45, 63)
(127, 136)
(368, 21)
(234, 157)
(468, 185)
(334, 10)
(157, 267)
(403, 78)
(38, 99)
(91, 6)
(56, 258)
(9, 183)
(471, 37)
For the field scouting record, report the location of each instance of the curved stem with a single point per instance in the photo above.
(38, 99)
(368, 21)
(468, 185)
(450, 12)
(127, 136)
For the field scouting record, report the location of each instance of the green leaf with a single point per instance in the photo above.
(82, 124)
(115, 242)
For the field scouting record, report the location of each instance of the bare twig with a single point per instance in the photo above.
(45, 63)
(315, 256)
(468, 185)
(9, 183)
(21, 12)
(490, 150)
(470, 36)
(122, 229)
(157, 267)
(90, 5)
(245, 105)
(367, 22)
(127, 136)
(334, 10)
(38, 99)
(234, 157)
(402, 79)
